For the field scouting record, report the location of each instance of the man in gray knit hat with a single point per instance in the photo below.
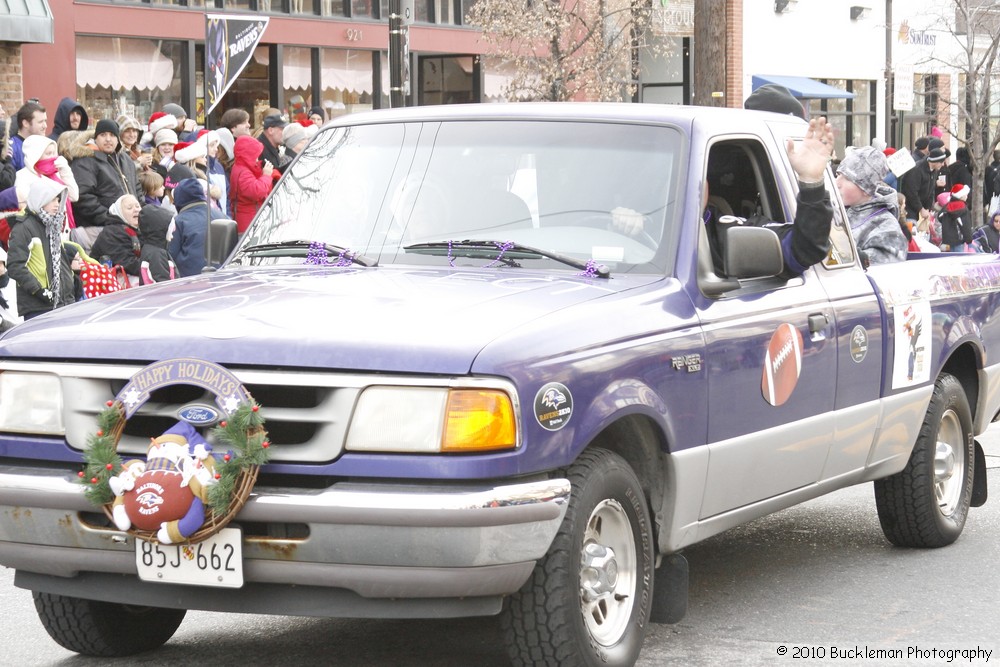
(872, 206)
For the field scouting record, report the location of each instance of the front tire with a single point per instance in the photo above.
(926, 504)
(105, 629)
(588, 600)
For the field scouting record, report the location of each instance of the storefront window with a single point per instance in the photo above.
(444, 12)
(853, 119)
(384, 102)
(296, 71)
(249, 90)
(346, 82)
(445, 80)
(422, 10)
(333, 8)
(364, 8)
(136, 77)
(662, 68)
(466, 6)
(497, 75)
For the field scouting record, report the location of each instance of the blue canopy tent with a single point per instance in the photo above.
(802, 87)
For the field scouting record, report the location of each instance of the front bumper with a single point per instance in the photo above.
(362, 549)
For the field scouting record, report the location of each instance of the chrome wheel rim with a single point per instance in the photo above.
(608, 573)
(949, 469)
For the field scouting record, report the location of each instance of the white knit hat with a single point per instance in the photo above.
(191, 152)
(167, 122)
(165, 137)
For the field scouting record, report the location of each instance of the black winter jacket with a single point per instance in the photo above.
(102, 179)
(803, 242)
(154, 222)
(119, 243)
(917, 185)
(956, 225)
(29, 292)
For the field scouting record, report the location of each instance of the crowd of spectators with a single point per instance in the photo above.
(927, 192)
(125, 192)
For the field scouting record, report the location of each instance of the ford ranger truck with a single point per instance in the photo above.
(485, 395)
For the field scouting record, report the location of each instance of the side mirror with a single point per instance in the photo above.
(223, 240)
(753, 252)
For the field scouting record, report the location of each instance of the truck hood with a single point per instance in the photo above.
(367, 319)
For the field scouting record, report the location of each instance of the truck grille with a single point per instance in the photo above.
(307, 413)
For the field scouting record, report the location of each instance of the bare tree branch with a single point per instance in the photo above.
(561, 50)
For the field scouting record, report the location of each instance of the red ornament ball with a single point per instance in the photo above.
(226, 457)
(109, 403)
(93, 480)
(110, 466)
(218, 476)
(223, 424)
(255, 408)
(100, 433)
(80, 474)
(265, 444)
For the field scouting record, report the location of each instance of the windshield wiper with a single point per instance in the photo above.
(340, 254)
(506, 250)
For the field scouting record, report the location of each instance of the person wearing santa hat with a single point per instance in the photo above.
(163, 151)
(157, 121)
(955, 220)
(195, 156)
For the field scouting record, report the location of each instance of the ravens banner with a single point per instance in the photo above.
(229, 43)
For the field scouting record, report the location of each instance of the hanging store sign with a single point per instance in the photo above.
(673, 18)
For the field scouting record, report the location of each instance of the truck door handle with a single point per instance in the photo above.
(818, 322)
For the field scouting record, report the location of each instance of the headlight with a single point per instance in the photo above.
(432, 419)
(31, 403)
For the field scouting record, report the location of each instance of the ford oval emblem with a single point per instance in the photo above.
(198, 415)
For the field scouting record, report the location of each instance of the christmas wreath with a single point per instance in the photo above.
(215, 486)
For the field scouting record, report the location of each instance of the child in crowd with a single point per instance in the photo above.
(73, 254)
(35, 259)
(152, 187)
(156, 265)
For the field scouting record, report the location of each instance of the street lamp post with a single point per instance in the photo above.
(400, 18)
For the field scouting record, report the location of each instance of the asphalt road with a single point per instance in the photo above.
(816, 585)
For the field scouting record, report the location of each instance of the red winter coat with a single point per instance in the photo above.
(248, 186)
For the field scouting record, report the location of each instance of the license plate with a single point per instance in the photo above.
(218, 561)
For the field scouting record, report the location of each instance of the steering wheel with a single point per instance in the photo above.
(601, 220)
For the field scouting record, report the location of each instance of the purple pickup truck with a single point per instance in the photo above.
(501, 376)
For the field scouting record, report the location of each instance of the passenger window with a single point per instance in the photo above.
(740, 182)
(841, 249)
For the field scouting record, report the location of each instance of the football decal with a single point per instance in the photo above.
(166, 494)
(782, 365)
(158, 497)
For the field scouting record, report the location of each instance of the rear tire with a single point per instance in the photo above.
(926, 504)
(105, 629)
(588, 600)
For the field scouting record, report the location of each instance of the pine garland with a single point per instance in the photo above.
(242, 437)
(101, 459)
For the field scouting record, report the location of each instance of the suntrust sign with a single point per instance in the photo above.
(907, 35)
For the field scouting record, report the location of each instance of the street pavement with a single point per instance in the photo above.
(816, 584)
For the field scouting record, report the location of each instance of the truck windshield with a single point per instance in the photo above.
(603, 193)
